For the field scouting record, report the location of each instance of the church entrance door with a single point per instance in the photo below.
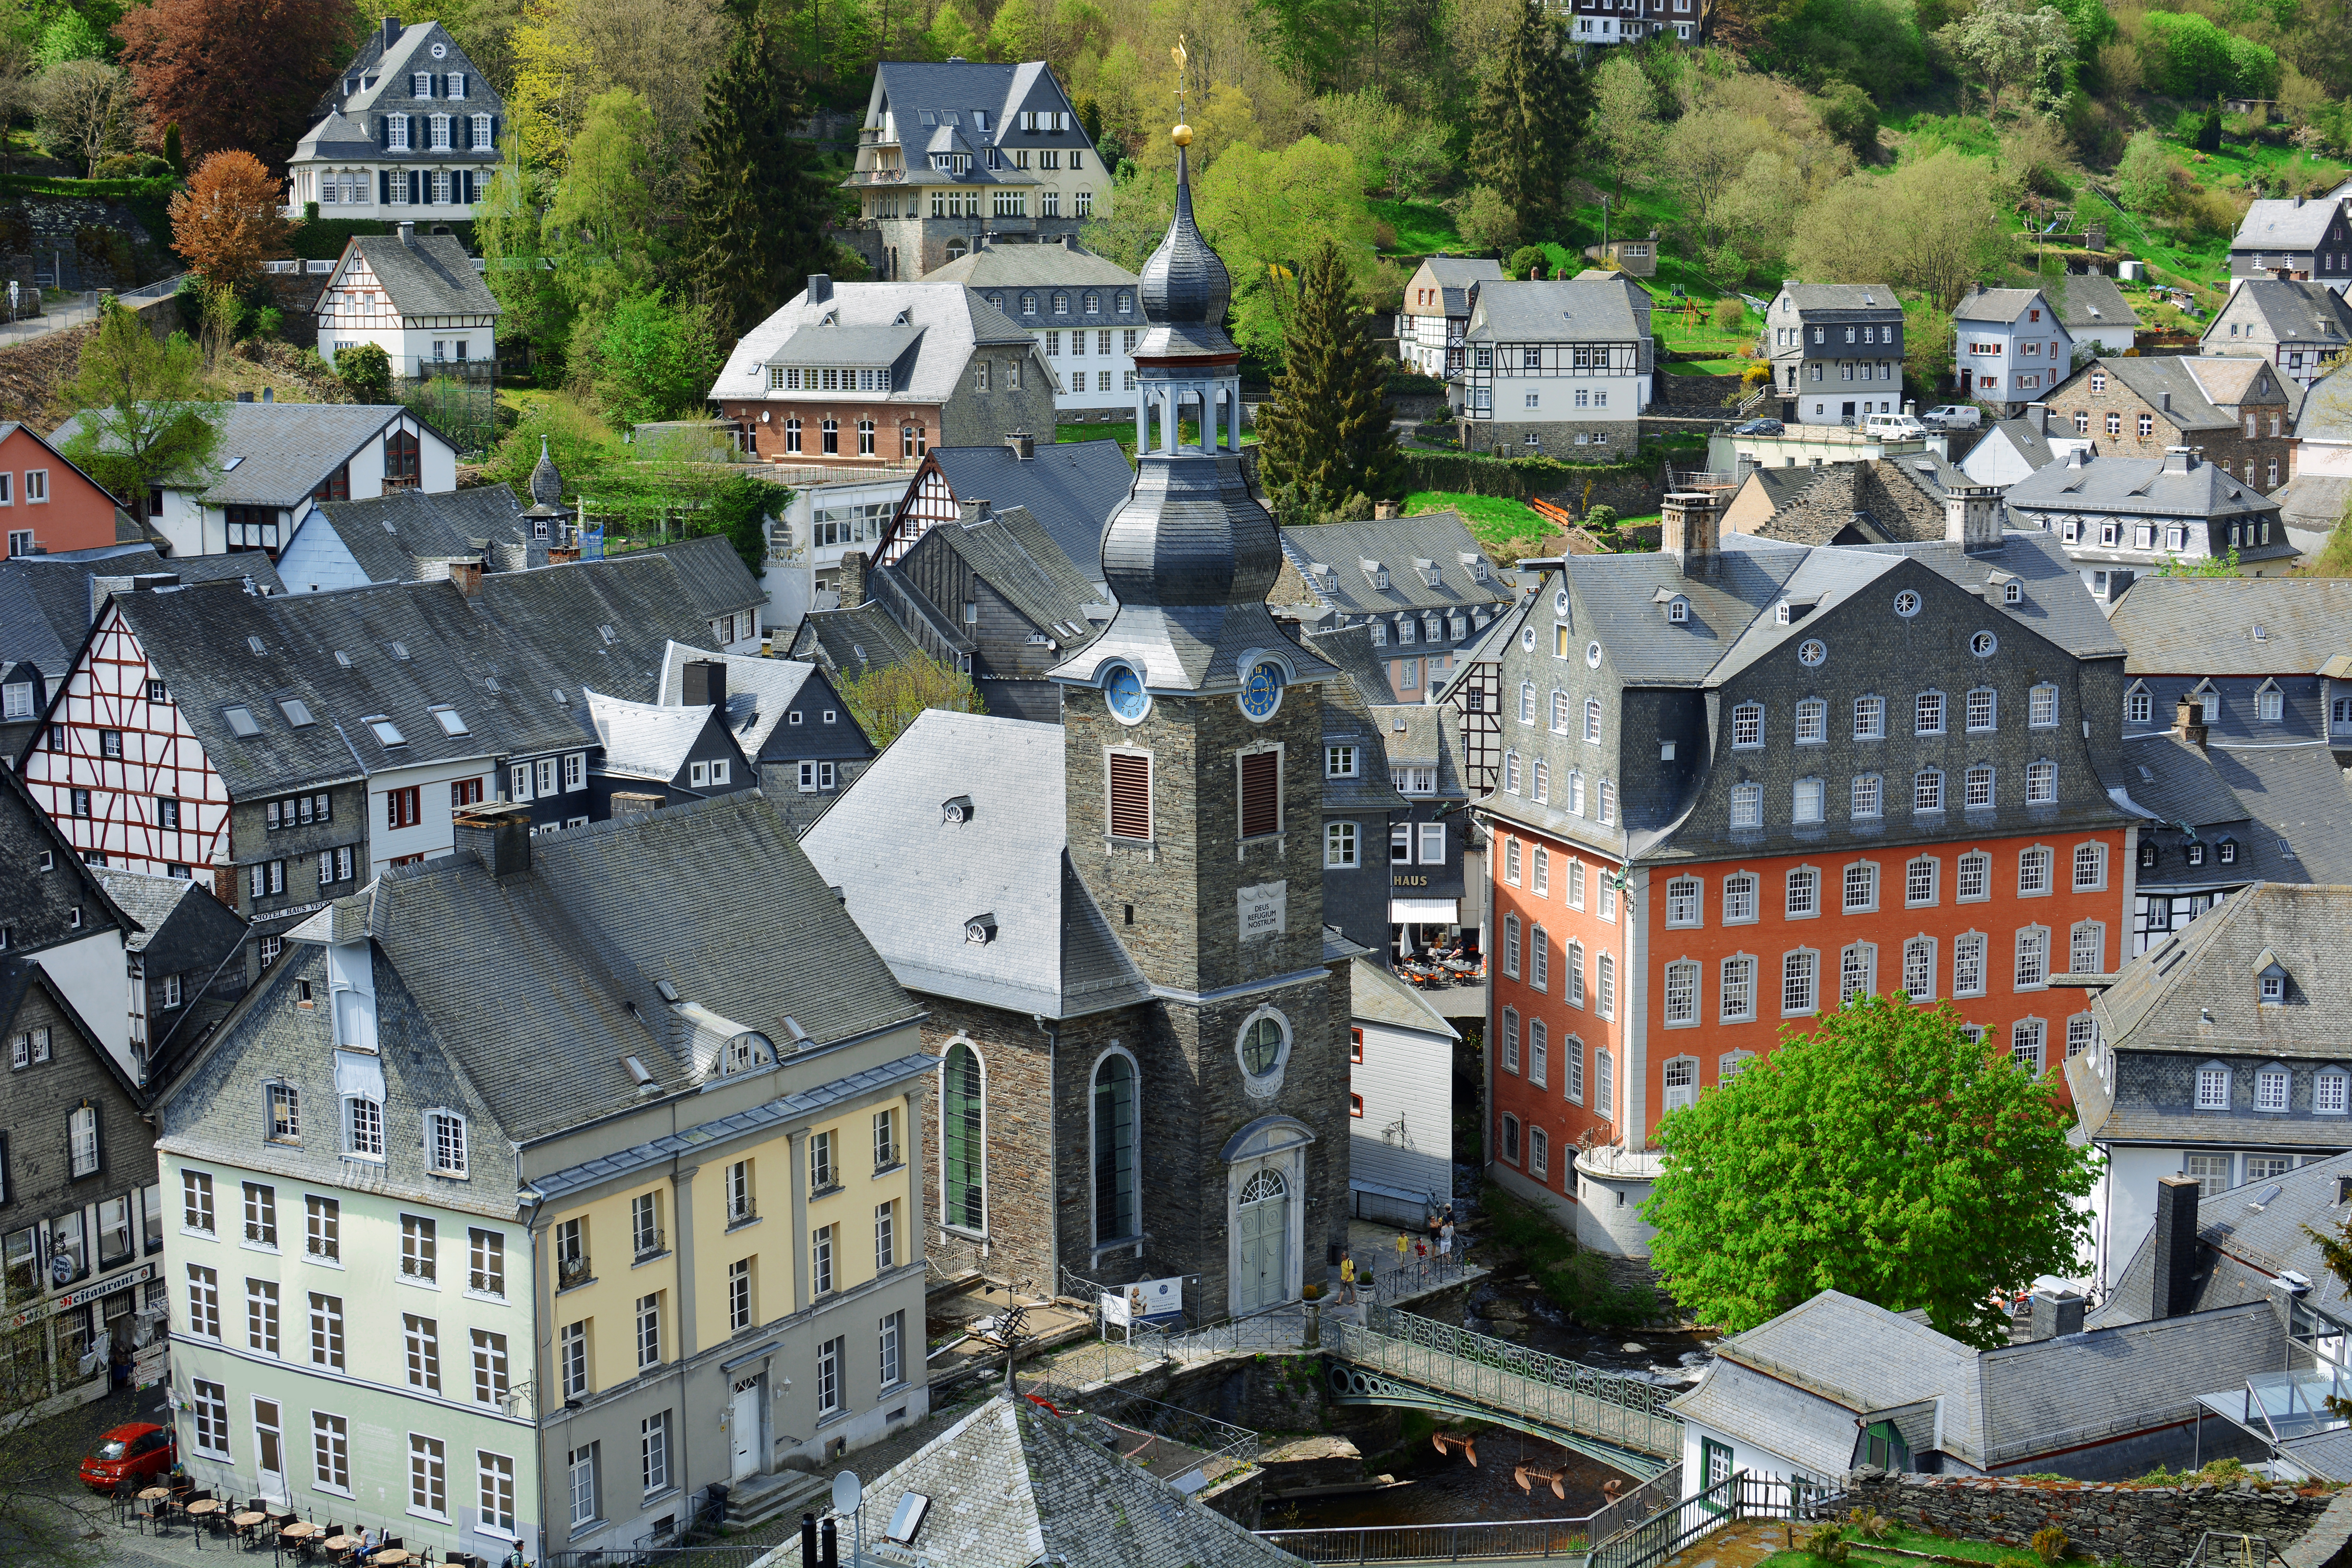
(1262, 1223)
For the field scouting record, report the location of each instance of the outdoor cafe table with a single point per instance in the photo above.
(391, 1556)
(341, 1543)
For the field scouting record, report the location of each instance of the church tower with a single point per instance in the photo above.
(1193, 749)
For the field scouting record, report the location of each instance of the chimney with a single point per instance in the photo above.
(1387, 509)
(2179, 459)
(820, 288)
(1069, 242)
(2190, 719)
(1972, 517)
(2167, 398)
(2054, 1313)
(2174, 1289)
(498, 836)
(407, 232)
(391, 32)
(468, 575)
(706, 683)
(148, 582)
(2037, 414)
(1022, 444)
(1690, 531)
(245, 397)
(852, 579)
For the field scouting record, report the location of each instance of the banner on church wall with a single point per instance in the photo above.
(1264, 909)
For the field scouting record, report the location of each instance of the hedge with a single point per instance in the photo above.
(155, 190)
(322, 239)
(1469, 473)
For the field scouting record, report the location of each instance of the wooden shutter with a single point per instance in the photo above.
(1131, 796)
(1261, 794)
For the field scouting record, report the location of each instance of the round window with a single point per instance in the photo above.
(1811, 651)
(1592, 656)
(439, 50)
(1261, 1047)
(1559, 603)
(1982, 644)
(1907, 604)
(1528, 638)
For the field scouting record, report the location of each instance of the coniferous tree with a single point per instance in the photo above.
(758, 209)
(1326, 450)
(1531, 113)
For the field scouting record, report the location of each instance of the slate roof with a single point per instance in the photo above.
(392, 67)
(914, 881)
(425, 274)
(1843, 301)
(391, 537)
(37, 906)
(1349, 718)
(336, 136)
(2161, 1000)
(2314, 503)
(1350, 649)
(1011, 1485)
(959, 87)
(1378, 996)
(943, 323)
(2092, 303)
(645, 740)
(2152, 379)
(148, 901)
(2027, 438)
(572, 949)
(48, 602)
(759, 691)
(2005, 305)
(2205, 626)
(1422, 735)
(1070, 488)
(1455, 276)
(2276, 225)
(850, 642)
(2298, 794)
(2326, 411)
(1043, 265)
(276, 454)
(713, 576)
(1799, 1385)
(2292, 311)
(2144, 487)
(1400, 545)
(1553, 310)
(1010, 552)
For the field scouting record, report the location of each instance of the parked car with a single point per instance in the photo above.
(1895, 427)
(1953, 416)
(1757, 427)
(140, 1452)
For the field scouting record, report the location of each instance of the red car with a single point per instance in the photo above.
(138, 1449)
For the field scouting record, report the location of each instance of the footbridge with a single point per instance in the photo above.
(1397, 1358)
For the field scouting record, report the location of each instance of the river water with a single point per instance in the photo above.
(1448, 1488)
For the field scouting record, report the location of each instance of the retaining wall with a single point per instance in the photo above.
(2156, 1527)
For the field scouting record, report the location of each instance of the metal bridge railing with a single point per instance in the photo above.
(1136, 1417)
(1737, 1496)
(1536, 1540)
(1627, 1413)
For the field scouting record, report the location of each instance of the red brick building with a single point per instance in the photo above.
(1742, 781)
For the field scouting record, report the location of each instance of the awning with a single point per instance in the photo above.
(1424, 911)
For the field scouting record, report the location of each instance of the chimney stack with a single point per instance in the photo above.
(2190, 719)
(1021, 443)
(706, 683)
(630, 802)
(1972, 517)
(498, 836)
(852, 579)
(2174, 1289)
(391, 32)
(2055, 1313)
(468, 575)
(407, 232)
(820, 288)
(1690, 531)
(1387, 509)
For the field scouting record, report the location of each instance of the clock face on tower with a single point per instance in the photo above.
(1124, 691)
(1261, 694)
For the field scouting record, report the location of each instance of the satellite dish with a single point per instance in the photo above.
(847, 1492)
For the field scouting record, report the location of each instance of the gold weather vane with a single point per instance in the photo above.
(1182, 134)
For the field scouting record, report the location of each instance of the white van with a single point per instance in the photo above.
(1895, 427)
(1954, 417)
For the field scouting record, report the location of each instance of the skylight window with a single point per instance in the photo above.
(452, 723)
(240, 722)
(256, 645)
(387, 733)
(296, 712)
(400, 650)
(342, 658)
(232, 463)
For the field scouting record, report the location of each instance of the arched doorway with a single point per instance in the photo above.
(1262, 1232)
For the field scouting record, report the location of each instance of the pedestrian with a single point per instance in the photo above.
(1347, 1281)
(1404, 1245)
(1445, 1241)
(1421, 1251)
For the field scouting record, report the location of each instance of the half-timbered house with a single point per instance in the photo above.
(1071, 489)
(418, 297)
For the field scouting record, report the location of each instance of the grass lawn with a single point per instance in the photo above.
(1495, 520)
(1420, 227)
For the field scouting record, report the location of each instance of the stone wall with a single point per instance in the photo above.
(2136, 1525)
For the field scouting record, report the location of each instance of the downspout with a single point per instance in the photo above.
(1052, 1183)
(541, 1353)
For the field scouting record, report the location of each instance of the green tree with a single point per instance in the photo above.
(758, 210)
(1930, 225)
(144, 407)
(1327, 450)
(652, 358)
(2011, 44)
(1850, 116)
(1016, 33)
(365, 370)
(1884, 1153)
(2144, 178)
(951, 37)
(602, 218)
(2199, 566)
(1265, 213)
(739, 508)
(887, 698)
(46, 1520)
(70, 37)
(1626, 128)
(1531, 114)
(508, 226)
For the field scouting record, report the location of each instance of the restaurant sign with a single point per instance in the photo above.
(93, 1291)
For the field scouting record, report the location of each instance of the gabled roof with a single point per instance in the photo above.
(392, 536)
(148, 901)
(1405, 548)
(2167, 995)
(2004, 305)
(1070, 488)
(2166, 384)
(1009, 552)
(47, 602)
(1376, 996)
(957, 87)
(1349, 718)
(336, 136)
(759, 691)
(713, 574)
(574, 947)
(1425, 735)
(2145, 486)
(2285, 225)
(1012, 1485)
(424, 275)
(645, 740)
(1350, 649)
(935, 327)
(2026, 436)
(1843, 301)
(2092, 303)
(1455, 276)
(392, 65)
(915, 880)
(1034, 265)
(2206, 626)
(850, 642)
(2291, 310)
(276, 454)
(2166, 775)
(37, 905)
(1553, 310)
(2326, 411)
(2231, 380)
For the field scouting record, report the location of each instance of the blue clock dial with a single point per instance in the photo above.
(1124, 691)
(1261, 694)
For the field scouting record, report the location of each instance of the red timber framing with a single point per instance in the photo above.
(930, 502)
(103, 708)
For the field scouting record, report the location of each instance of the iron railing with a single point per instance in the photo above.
(659, 1557)
(1737, 1496)
(1627, 1413)
(1536, 1540)
(2231, 1549)
(1138, 1420)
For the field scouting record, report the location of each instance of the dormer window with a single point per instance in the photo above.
(2013, 592)
(2273, 988)
(980, 930)
(1677, 611)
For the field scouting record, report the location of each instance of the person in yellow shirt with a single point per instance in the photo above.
(1348, 1281)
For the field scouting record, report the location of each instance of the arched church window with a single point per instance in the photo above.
(964, 1169)
(1115, 1149)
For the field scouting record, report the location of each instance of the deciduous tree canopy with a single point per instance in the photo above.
(237, 73)
(225, 223)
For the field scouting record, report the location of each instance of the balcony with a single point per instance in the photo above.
(650, 1244)
(571, 1271)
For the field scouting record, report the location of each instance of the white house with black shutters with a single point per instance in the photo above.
(409, 130)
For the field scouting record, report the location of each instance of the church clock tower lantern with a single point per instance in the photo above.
(1193, 749)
